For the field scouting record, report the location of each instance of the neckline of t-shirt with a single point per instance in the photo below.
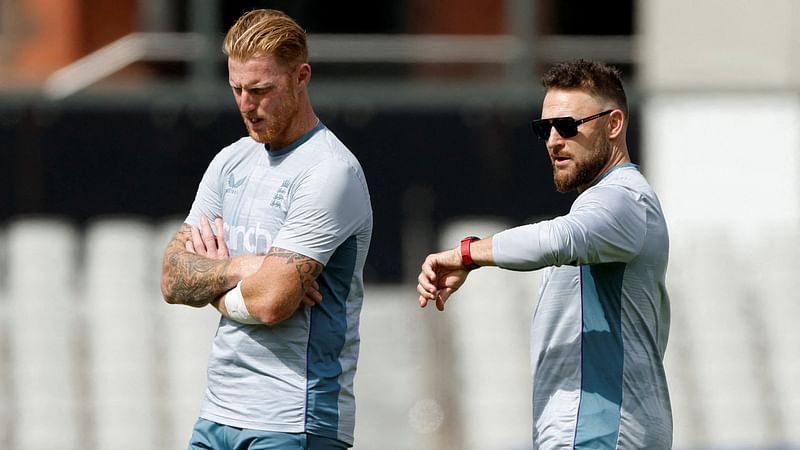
(615, 168)
(302, 140)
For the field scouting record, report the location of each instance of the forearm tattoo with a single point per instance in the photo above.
(192, 279)
(306, 267)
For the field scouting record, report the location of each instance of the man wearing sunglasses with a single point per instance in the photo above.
(601, 325)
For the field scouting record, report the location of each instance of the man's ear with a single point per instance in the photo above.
(616, 123)
(303, 74)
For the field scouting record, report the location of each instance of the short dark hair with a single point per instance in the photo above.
(596, 78)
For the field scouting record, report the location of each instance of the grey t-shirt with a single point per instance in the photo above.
(600, 328)
(311, 198)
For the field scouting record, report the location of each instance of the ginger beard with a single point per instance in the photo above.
(275, 122)
(585, 167)
(271, 120)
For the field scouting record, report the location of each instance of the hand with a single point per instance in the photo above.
(313, 295)
(205, 243)
(441, 275)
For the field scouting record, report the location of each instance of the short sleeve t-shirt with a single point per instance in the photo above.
(310, 197)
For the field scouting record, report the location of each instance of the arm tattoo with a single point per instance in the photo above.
(192, 279)
(307, 268)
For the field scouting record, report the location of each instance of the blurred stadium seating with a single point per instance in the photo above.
(95, 356)
(95, 94)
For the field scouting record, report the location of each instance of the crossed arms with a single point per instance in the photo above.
(197, 271)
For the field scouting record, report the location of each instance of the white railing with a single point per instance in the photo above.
(506, 50)
(119, 54)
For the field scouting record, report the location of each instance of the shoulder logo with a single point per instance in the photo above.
(233, 184)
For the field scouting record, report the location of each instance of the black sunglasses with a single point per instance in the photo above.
(567, 127)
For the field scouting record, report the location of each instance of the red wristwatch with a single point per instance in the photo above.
(466, 255)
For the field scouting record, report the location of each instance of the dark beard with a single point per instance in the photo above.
(587, 171)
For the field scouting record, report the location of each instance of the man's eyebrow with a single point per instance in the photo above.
(257, 86)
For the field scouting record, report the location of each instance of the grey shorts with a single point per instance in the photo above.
(211, 435)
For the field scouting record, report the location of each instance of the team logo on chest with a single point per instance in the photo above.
(277, 199)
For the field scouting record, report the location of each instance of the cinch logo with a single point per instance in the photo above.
(251, 240)
(277, 200)
(233, 185)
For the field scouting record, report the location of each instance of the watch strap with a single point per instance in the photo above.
(466, 254)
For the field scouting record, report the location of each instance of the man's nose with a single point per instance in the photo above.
(553, 139)
(246, 102)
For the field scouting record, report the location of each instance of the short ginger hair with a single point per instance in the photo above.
(266, 32)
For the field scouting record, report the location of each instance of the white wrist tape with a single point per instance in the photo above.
(237, 310)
